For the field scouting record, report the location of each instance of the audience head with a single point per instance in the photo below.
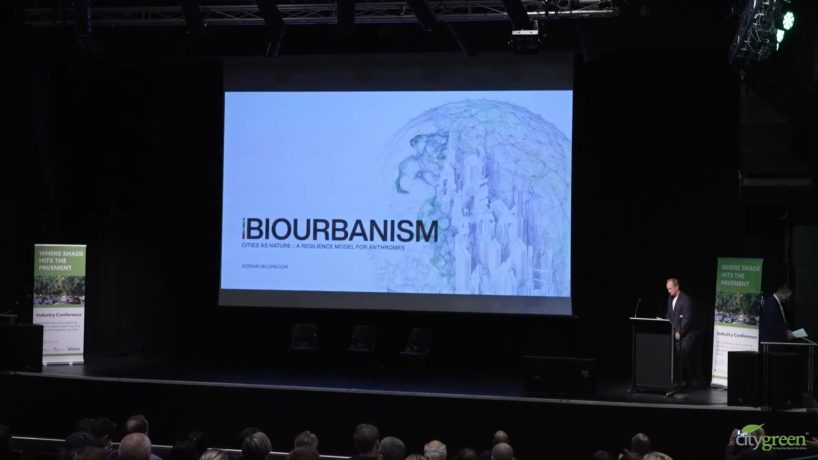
(656, 456)
(303, 453)
(466, 454)
(306, 438)
(85, 425)
(366, 439)
(200, 442)
(392, 448)
(783, 293)
(640, 444)
(80, 439)
(502, 451)
(435, 450)
(214, 454)
(184, 449)
(137, 424)
(247, 432)
(76, 441)
(105, 431)
(602, 455)
(256, 447)
(499, 436)
(135, 446)
(415, 457)
(90, 453)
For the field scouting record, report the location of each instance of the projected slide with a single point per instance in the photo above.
(440, 194)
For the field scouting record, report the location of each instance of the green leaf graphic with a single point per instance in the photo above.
(750, 429)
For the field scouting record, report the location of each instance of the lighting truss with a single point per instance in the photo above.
(366, 12)
(755, 39)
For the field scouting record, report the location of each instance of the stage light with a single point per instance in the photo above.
(525, 38)
(760, 32)
(274, 21)
(193, 19)
(564, 4)
(784, 22)
(426, 16)
(788, 20)
(526, 41)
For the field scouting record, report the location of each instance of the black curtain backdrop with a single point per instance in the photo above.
(124, 154)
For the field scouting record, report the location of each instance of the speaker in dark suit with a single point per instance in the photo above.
(682, 319)
(773, 325)
(744, 378)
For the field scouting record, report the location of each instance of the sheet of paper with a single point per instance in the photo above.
(800, 333)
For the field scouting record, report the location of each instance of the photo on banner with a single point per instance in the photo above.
(59, 301)
(738, 303)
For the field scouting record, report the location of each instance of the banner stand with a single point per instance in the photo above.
(738, 303)
(59, 301)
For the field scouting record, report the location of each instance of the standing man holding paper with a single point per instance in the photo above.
(680, 314)
(774, 326)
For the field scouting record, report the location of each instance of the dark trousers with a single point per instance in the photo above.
(685, 360)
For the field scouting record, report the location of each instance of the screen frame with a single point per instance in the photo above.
(358, 73)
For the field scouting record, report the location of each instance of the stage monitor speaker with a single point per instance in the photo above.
(744, 378)
(554, 375)
(787, 379)
(27, 347)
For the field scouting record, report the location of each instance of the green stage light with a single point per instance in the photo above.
(788, 20)
(779, 35)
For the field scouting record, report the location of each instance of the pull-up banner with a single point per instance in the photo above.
(59, 301)
(738, 302)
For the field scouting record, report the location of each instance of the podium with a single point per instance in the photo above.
(652, 357)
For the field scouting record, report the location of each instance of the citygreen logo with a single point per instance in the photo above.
(753, 436)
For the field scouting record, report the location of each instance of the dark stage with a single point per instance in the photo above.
(434, 384)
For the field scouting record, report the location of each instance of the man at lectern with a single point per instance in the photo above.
(680, 314)
(773, 325)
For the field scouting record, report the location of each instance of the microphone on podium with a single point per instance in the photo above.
(636, 311)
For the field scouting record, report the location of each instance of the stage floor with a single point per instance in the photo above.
(459, 384)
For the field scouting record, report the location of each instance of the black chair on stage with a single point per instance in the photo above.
(418, 349)
(363, 339)
(304, 338)
(303, 344)
(361, 349)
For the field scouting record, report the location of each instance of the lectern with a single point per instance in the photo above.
(652, 359)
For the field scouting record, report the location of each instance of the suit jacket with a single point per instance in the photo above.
(772, 327)
(681, 317)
